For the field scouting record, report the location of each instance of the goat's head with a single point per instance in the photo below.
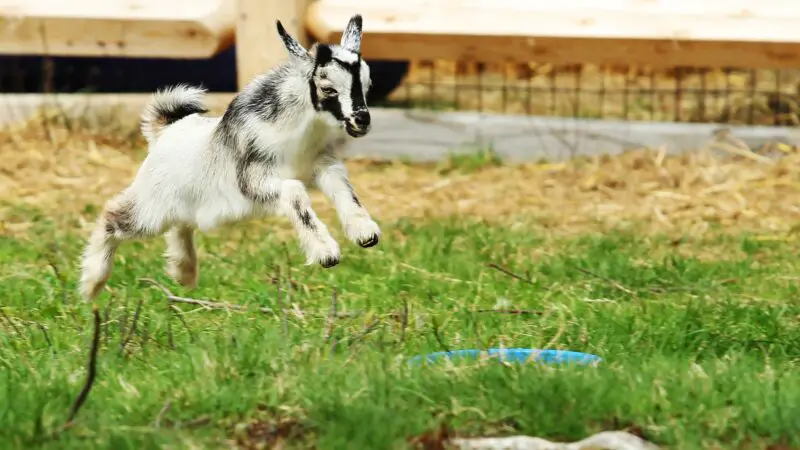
(339, 80)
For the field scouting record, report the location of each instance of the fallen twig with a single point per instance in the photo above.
(132, 328)
(615, 284)
(123, 321)
(170, 337)
(404, 323)
(510, 273)
(435, 324)
(215, 305)
(146, 333)
(10, 322)
(511, 311)
(284, 320)
(195, 423)
(107, 318)
(162, 413)
(59, 276)
(91, 373)
(331, 317)
(208, 304)
(178, 314)
(289, 265)
(369, 329)
(46, 336)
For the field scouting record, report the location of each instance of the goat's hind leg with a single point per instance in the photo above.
(181, 255)
(117, 222)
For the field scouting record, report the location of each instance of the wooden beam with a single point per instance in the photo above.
(258, 46)
(148, 28)
(658, 33)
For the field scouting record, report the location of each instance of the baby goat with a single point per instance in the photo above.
(285, 130)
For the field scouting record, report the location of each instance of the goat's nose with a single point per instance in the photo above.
(361, 118)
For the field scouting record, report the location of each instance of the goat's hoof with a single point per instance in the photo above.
(371, 241)
(329, 262)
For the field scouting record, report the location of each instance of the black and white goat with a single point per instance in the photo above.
(285, 130)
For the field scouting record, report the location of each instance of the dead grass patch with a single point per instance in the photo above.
(68, 172)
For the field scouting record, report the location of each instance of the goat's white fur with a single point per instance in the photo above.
(191, 179)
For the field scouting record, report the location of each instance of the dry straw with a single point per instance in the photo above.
(67, 170)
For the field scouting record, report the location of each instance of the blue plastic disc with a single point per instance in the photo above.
(518, 355)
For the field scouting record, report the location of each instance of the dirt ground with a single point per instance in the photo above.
(68, 171)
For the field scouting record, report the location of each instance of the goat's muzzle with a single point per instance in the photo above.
(359, 124)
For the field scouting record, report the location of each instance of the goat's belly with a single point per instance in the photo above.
(222, 210)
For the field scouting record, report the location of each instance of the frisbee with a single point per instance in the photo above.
(516, 355)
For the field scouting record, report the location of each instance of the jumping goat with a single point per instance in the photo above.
(284, 131)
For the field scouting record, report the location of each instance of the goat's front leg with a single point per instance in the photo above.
(318, 244)
(331, 178)
(289, 198)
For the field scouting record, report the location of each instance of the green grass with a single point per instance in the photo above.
(700, 352)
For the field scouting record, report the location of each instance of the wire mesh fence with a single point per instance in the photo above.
(684, 94)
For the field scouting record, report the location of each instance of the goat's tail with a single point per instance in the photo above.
(169, 106)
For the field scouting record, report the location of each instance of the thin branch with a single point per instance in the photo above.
(520, 312)
(91, 370)
(195, 423)
(615, 284)
(436, 334)
(404, 323)
(145, 332)
(132, 329)
(46, 336)
(107, 318)
(204, 303)
(510, 273)
(331, 317)
(10, 322)
(178, 314)
(123, 321)
(162, 413)
(59, 276)
(369, 329)
(288, 265)
(284, 321)
(170, 337)
(475, 329)
(208, 304)
(215, 305)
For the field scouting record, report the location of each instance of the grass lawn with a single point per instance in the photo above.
(691, 302)
(700, 339)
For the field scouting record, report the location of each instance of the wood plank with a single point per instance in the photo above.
(138, 28)
(258, 46)
(654, 33)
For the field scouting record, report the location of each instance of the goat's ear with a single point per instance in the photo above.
(292, 46)
(351, 37)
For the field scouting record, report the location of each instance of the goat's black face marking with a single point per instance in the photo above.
(338, 88)
(356, 90)
(324, 55)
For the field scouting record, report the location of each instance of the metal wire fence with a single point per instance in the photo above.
(760, 97)
(683, 94)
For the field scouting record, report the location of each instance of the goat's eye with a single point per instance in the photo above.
(329, 91)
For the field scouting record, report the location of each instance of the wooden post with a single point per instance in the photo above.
(258, 46)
